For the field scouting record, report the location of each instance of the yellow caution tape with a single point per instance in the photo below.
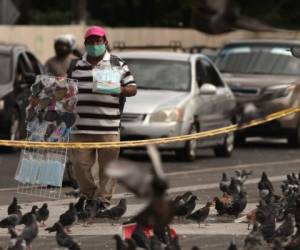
(138, 143)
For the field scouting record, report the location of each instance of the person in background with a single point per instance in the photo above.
(64, 45)
(99, 116)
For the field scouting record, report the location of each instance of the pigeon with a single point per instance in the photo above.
(237, 205)
(201, 214)
(15, 242)
(254, 240)
(115, 212)
(13, 207)
(63, 239)
(187, 208)
(11, 221)
(220, 206)
(268, 226)
(149, 183)
(31, 229)
(250, 218)
(224, 183)
(181, 199)
(286, 229)
(66, 219)
(120, 244)
(43, 214)
(234, 187)
(33, 211)
(140, 238)
(82, 214)
(242, 176)
(128, 244)
(232, 245)
(265, 183)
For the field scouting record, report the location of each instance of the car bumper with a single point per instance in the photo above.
(138, 131)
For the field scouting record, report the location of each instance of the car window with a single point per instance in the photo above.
(210, 74)
(160, 74)
(5, 68)
(258, 59)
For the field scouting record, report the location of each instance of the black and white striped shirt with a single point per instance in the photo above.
(98, 113)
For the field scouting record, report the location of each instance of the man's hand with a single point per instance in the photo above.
(127, 91)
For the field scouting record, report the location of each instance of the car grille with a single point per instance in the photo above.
(245, 91)
(126, 117)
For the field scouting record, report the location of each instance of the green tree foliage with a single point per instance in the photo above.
(156, 13)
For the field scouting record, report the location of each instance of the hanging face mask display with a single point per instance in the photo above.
(107, 78)
(50, 118)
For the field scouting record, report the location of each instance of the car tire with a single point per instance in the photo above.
(294, 137)
(189, 152)
(226, 149)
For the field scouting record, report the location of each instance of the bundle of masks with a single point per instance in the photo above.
(50, 118)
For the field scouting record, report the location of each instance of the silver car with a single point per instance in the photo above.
(178, 94)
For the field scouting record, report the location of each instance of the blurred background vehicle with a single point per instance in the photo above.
(18, 66)
(265, 73)
(178, 94)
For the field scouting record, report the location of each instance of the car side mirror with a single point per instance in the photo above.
(295, 51)
(208, 89)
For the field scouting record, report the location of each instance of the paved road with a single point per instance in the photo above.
(201, 176)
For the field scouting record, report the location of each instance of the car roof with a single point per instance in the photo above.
(269, 42)
(176, 56)
(6, 48)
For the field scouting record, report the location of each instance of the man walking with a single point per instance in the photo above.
(99, 115)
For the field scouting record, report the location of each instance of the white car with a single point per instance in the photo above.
(178, 94)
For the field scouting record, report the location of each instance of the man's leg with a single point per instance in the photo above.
(107, 185)
(83, 160)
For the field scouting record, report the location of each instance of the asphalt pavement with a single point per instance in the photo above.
(201, 176)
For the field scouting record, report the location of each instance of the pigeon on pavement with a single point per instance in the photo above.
(14, 207)
(43, 214)
(115, 212)
(31, 229)
(224, 183)
(201, 214)
(187, 208)
(15, 242)
(63, 239)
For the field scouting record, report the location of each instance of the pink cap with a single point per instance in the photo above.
(94, 31)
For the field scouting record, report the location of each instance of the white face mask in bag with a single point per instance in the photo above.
(106, 79)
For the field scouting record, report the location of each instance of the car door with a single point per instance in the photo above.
(223, 100)
(207, 109)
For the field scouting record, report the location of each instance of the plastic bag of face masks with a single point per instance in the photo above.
(106, 79)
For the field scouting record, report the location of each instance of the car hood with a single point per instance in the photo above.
(146, 101)
(258, 81)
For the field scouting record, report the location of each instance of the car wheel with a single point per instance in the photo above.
(189, 152)
(226, 149)
(294, 137)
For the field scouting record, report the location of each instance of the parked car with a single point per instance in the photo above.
(265, 73)
(17, 69)
(178, 94)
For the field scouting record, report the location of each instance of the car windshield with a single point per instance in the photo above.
(160, 74)
(258, 59)
(5, 68)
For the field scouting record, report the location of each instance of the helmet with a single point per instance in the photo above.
(66, 38)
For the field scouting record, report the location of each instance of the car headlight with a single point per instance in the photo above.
(279, 91)
(1, 104)
(166, 115)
